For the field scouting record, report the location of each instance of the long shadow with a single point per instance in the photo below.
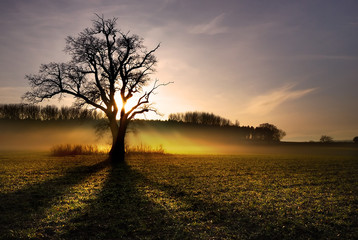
(221, 219)
(123, 211)
(227, 223)
(22, 208)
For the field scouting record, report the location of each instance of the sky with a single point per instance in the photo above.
(293, 64)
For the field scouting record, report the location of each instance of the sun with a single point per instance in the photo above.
(118, 99)
(130, 103)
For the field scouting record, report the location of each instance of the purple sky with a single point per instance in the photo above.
(290, 63)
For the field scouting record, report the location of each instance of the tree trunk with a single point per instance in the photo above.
(117, 153)
(114, 130)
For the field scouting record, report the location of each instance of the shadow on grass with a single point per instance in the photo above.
(21, 209)
(224, 220)
(122, 211)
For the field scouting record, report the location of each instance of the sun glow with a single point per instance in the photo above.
(130, 103)
(118, 99)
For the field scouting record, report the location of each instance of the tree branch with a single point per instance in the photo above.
(143, 100)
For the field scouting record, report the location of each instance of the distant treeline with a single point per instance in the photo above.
(201, 118)
(44, 113)
(264, 132)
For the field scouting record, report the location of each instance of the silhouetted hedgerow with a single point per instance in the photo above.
(44, 113)
(263, 133)
(201, 118)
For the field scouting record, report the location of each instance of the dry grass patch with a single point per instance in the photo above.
(74, 149)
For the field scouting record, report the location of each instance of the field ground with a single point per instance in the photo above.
(263, 196)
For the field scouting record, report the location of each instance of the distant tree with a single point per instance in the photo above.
(268, 132)
(64, 113)
(32, 112)
(355, 139)
(12, 111)
(326, 139)
(106, 63)
(49, 113)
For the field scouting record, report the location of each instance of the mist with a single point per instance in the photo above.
(174, 138)
(177, 138)
(43, 135)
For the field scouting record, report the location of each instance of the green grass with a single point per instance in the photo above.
(179, 197)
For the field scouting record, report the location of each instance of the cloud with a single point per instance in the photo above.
(264, 104)
(211, 28)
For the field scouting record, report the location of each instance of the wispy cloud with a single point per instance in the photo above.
(266, 103)
(213, 27)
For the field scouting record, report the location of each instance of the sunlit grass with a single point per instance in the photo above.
(78, 149)
(145, 149)
(263, 196)
(179, 197)
(74, 149)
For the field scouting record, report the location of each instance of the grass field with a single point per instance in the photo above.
(266, 196)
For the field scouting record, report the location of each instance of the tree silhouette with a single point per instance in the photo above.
(201, 118)
(355, 139)
(269, 132)
(105, 62)
(326, 139)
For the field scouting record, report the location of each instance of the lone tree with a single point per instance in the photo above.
(105, 63)
(326, 139)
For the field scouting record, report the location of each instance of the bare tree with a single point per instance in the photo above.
(326, 139)
(104, 62)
